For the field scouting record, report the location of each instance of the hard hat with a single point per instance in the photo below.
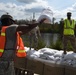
(7, 16)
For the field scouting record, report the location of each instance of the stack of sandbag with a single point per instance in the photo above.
(53, 55)
(70, 63)
(47, 54)
(70, 59)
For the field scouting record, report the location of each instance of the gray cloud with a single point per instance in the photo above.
(37, 10)
(25, 11)
(27, 1)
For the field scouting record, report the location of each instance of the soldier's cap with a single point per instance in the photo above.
(5, 16)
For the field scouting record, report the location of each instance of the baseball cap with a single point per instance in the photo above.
(69, 13)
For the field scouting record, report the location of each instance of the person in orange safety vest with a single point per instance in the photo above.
(20, 46)
(11, 43)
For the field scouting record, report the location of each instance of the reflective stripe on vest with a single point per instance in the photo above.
(1, 50)
(69, 27)
(2, 40)
(21, 51)
(2, 34)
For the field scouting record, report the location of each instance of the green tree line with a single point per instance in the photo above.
(45, 28)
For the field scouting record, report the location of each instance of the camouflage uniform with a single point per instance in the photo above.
(34, 34)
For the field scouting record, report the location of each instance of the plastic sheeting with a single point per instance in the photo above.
(47, 14)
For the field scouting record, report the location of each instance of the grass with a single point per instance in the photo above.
(26, 40)
(57, 45)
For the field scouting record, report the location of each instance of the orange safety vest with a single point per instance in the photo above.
(20, 47)
(20, 52)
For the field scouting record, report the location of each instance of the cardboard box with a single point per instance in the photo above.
(35, 66)
(20, 62)
(53, 69)
(70, 70)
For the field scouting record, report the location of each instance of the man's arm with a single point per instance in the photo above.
(28, 27)
(25, 28)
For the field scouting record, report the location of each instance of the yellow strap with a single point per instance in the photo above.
(21, 51)
(1, 50)
(2, 34)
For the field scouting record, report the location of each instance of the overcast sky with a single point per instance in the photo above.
(23, 9)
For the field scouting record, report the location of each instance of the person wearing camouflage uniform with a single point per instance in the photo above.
(34, 36)
(10, 43)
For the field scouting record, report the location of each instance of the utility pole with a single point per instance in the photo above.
(53, 20)
(33, 15)
(30, 35)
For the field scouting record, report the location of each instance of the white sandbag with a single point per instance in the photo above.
(30, 52)
(74, 63)
(68, 62)
(59, 54)
(43, 56)
(27, 49)
(36, 54)
(47, 50)
(70, 56)
(42, 50)
(59, 60)
(51, 58)
(70, 52)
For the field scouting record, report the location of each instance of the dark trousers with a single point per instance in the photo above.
(7, 68)
(66, 40)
